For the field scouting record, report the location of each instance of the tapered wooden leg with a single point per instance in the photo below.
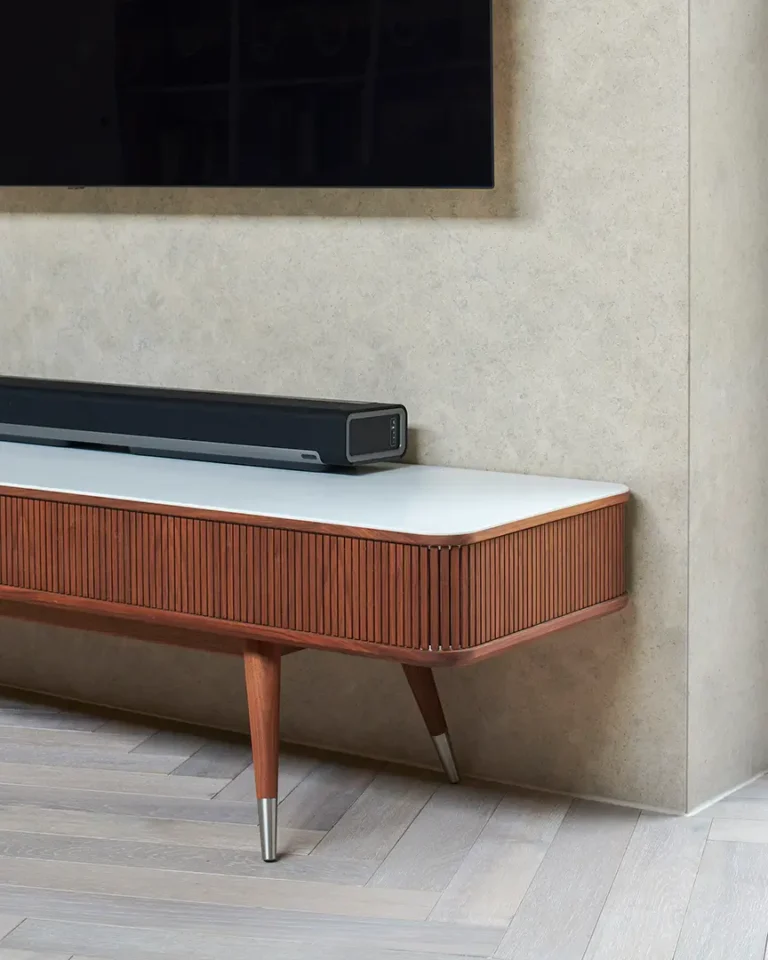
(422, 683)
(262, 683)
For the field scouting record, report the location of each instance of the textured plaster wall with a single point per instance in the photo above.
(729, 396)
(540, 328)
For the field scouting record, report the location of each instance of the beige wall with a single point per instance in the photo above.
(729, 396)
(554, 340)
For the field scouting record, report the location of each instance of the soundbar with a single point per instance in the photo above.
(227, 427)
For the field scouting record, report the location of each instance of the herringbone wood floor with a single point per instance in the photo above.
(125, 842)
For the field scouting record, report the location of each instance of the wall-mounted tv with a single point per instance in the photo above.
(283, 93)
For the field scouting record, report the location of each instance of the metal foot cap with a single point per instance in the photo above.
(445, 751)
(268, 829)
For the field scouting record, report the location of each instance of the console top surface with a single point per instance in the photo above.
(419, 501)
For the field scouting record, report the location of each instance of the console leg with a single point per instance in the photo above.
(422, 683)
(262, 682)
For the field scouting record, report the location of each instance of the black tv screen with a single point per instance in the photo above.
(317, 93)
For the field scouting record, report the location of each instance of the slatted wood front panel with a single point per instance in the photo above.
(510, 583)
(419, 597)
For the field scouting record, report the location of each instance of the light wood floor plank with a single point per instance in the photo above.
(125, 729)
(432, 849)
(159, 856)
(136, 943)
(644, 912)
(325, 795)
(294, 768)
(735, 810)
(10, 954)
(91, 757)
(492, 881)
(9, 706)
(307, 897)
(242, 788)
(8, 923)
(148, 784)
(376, 821)
(172, 743)
(220, 760)
(130, 804)
(727, 917)
(739, 831)
(93, 739)
(757, 790)
(102, 826)
(441, 939)
(561, 908)
(49, 721)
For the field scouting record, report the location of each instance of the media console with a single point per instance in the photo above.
(427, 566)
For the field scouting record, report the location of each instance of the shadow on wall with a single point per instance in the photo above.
(391, 203)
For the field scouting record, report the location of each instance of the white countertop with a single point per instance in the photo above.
(400, 498)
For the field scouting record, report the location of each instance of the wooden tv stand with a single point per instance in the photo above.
(428, 566)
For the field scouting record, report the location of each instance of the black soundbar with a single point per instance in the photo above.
(228, 427)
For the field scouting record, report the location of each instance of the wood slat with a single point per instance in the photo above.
(434, 599)
(424, 600)
(455, 598)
